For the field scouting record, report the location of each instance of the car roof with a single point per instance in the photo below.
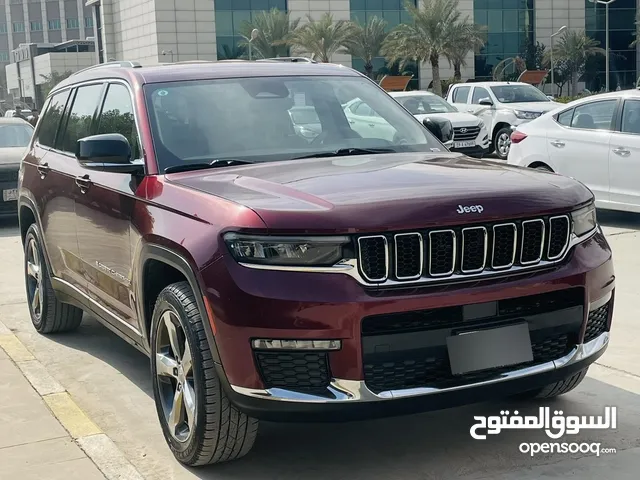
(13, 120)
(631, 93)
(203, 70)
(411, 93)
(490, 84)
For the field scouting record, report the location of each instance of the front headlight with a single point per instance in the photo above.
(523, 115)
(584, 220)
(288, 251)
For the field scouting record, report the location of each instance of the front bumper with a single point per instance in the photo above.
(352, 400)
(249, 304)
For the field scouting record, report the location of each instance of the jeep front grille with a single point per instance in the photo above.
(463, 250)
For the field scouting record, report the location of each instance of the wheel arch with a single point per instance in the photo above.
(538, 163)
(499, 126)
(175, 267)
(28, 214)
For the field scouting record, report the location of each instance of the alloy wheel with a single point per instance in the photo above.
(174, 376)
(35, 290)
(504, 143)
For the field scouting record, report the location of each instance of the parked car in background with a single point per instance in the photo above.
(305, 121)
(500, 105)
(595, 140)
(272, 277)
(15, 135)
(470, 134)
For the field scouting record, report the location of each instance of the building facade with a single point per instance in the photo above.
(182, 30)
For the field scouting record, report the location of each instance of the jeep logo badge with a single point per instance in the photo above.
(470, 209)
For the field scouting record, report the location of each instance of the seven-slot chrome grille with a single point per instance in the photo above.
(463, 250)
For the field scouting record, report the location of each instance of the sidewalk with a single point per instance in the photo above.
(34, 445)
(43, 432)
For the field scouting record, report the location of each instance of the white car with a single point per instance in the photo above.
(595, 140)
(501, 105)
(470, 135)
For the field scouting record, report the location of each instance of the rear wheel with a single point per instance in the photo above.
(502, 142)
(199, 423)
(48, 315)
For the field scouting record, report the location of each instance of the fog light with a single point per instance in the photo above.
(267, 344)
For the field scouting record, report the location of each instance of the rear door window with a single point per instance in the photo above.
(460, 94)
(564, 118)
(594, 115)
(81, 117)
(480, 93)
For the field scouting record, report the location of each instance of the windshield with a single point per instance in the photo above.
(423, 104)
(519, 93)
(254, 119)
(15, 135)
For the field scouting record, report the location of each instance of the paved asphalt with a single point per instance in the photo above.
(111, 382)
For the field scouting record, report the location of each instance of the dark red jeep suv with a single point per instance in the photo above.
(359, 270)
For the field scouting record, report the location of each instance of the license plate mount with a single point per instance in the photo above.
(10, 195)
(489, 348)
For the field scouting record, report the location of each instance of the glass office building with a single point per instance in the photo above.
(230, 15)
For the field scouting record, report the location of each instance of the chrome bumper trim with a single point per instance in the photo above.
(341, 391)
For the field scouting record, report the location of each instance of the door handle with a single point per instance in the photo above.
(557, 144)
(623, 152)
(43, 169)
(84, 183)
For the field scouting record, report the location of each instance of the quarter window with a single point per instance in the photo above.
(565, 117)
(631, 117)
(117, 116)
(81, 116)
(460, 94)
(51, 119)
(479, 93)
(594, 115)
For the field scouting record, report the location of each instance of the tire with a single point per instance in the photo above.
(543, 168)
(502, 142)
(558, 388)
(48, 314)
(212, 430)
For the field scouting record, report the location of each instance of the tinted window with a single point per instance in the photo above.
(79, 121)
(460, 94)
(479, 93)
(594, 116)
(117, 116)
(631, 117)
(15, 135)
(51, 119)
(565, 117)
(196, 121)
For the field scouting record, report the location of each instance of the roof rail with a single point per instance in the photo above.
(118, 63)
(288, 59)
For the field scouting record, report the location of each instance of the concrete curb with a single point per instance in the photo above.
(102, 451)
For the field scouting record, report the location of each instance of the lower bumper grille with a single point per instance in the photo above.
(409, 350)
(301, 371)
(597, 323)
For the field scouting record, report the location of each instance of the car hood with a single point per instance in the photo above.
(457, 119)
(542, 107)
(385, 192)
(11, 155)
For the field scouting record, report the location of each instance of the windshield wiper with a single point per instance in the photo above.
(219, 162)
(344, 152)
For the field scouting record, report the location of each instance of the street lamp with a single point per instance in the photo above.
(168, 52)
(606, 21)
(560, 30)
(254, 35)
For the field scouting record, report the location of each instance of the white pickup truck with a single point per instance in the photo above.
(500, 105)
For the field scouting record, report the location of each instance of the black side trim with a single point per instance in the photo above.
(151, 251)
(26, 201)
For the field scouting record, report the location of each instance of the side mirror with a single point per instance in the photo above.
(109, 152)
(440, 127)
(486, 102)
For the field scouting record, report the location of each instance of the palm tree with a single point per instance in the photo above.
(274, 27)
(321, 38)
(366, 41)
(431, 35)
(574, 48)
(466, 38)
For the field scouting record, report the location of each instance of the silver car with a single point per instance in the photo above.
(15, 134)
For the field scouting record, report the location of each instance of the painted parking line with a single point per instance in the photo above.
(87, 435)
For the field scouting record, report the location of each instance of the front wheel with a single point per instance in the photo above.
(502, 142)
(199, 423)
